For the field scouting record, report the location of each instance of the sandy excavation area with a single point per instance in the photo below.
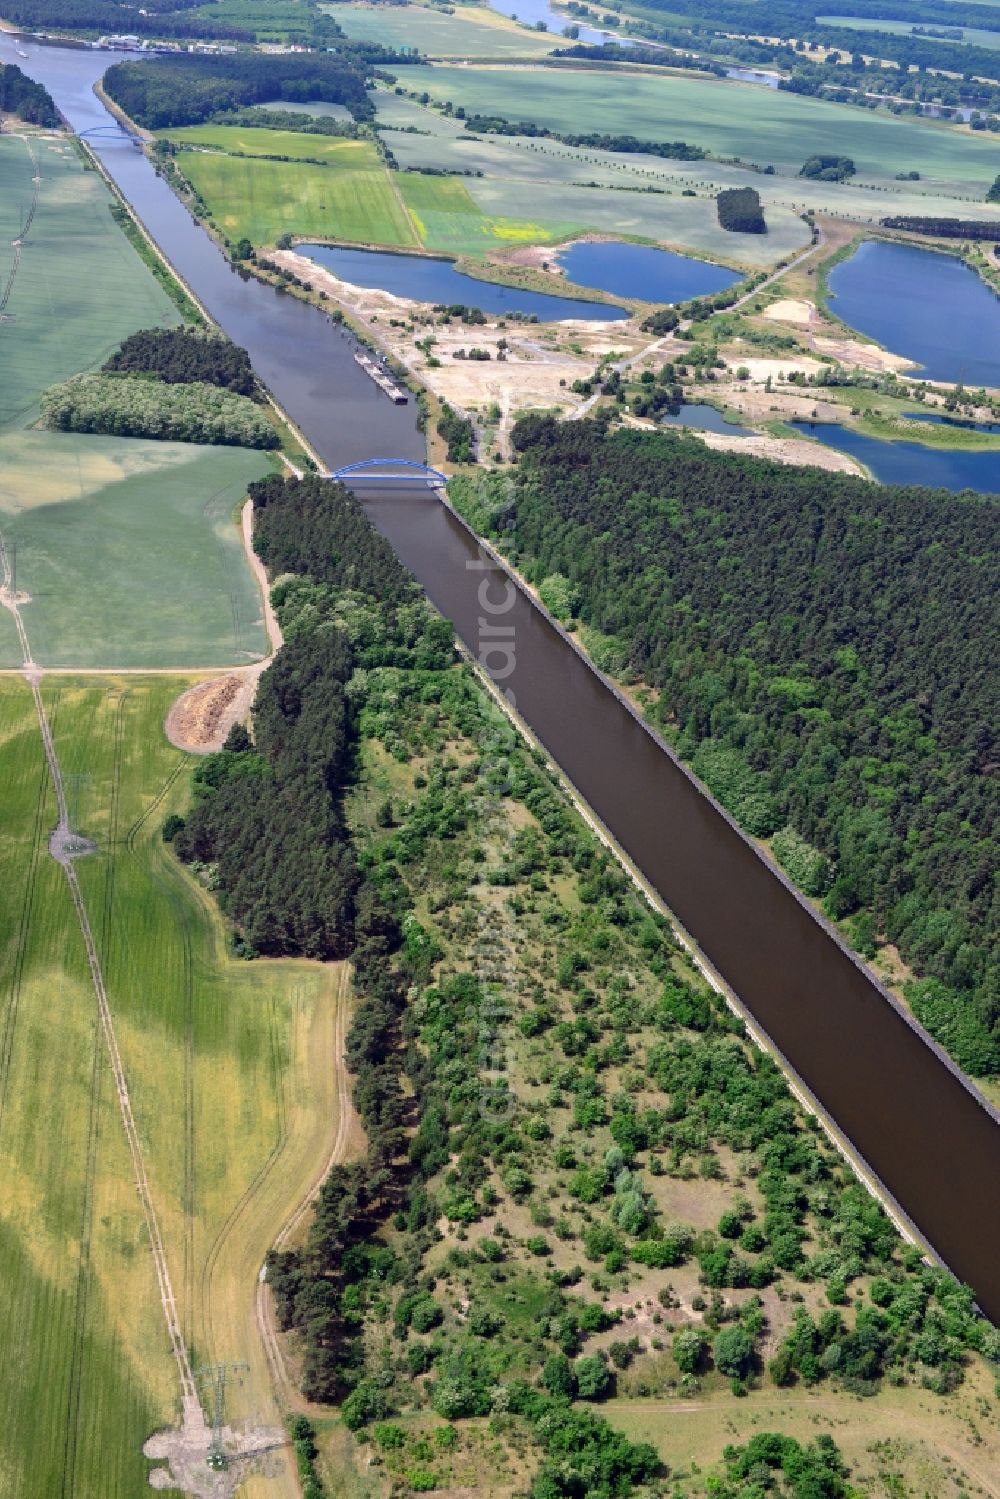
(824, 337)
(542, 359)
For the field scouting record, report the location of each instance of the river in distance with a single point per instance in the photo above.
(930, 1138)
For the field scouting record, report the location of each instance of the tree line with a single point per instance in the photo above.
(944, 228)
(828, 668)
(593, 140)
(23, 97)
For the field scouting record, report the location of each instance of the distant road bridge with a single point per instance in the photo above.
(115, 130)
(379, 471)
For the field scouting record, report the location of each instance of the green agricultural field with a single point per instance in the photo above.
(264, 199)
(271, 20)
(447, 217)
(550, 167)
(130, 551)
(972, 35)
(80, 287)
(729, 119)
(463, 33)
(315, 108)
(128, 548)
(228, 1073)
(343, 154)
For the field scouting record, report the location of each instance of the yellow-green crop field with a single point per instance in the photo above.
(230, 1074)
(447, 217)
(298, 145)
(351, 198)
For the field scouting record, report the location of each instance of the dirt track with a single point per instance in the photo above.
(201, 718)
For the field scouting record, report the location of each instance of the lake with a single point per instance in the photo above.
(910, 462)
(706, 419)
(929, 307)
(643, 271)
(435, 281)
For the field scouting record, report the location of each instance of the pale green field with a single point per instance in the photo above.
(335, 151)
(446, 145)
(448, 217)
(479, 33)
(80, 288)
(263, 199)
(397, 112)
(972, 35)
(129, 551)
(316, 108)
(127, 547)
(229, 1076)
(730, 119)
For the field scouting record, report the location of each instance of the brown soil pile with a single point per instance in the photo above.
(195, 719)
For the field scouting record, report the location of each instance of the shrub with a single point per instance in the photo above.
(733, 1352)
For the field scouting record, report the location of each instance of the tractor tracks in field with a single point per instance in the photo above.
(285, 1389)
(182, 926)
(65, 847)
(83, 1282)
(25, 230)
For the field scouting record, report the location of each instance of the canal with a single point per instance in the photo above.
(929, 1137)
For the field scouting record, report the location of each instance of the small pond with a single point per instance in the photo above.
(706, 419)
(910, 462)
(938, 420)
(425, 280)
(929, 307)
(643, 271)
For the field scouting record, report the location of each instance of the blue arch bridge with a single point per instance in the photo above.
(115, 132)
(381, 471)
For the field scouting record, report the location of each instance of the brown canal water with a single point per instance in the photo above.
(928, 1136)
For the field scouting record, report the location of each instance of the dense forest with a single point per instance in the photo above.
(268, 814)
(739, 210)
(825, 652)
(944, 228)
(444, 1272)
(188, 89)
(23, 97)
(137, 406)
(181, 355)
